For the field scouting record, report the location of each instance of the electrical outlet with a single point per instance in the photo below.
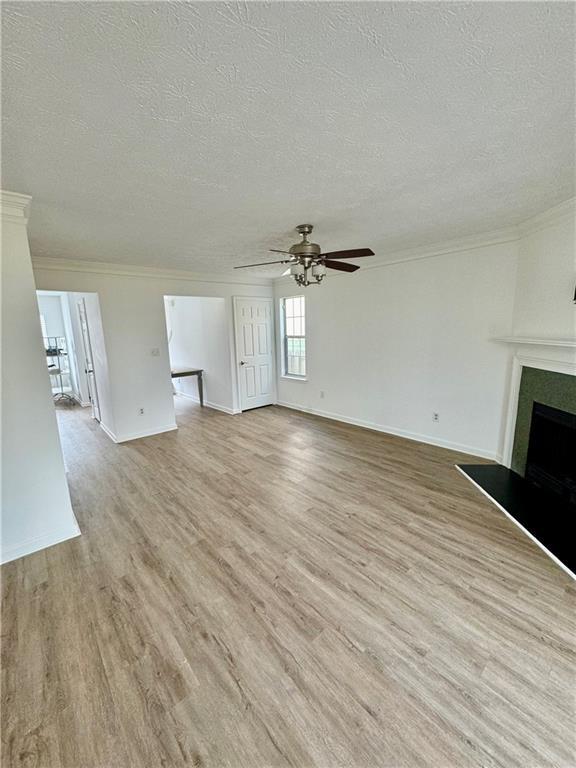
(435, 416)
(155, 352)
(322, 394)
(141, 411)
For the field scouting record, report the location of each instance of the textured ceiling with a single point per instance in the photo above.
(197, 135)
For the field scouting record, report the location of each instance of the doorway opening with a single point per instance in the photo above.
(199, 349)
(73, 342)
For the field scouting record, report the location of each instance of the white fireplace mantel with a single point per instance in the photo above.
(548, 354)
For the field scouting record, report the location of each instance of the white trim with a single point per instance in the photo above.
(548, 217)
(133, 270)
(388, 257)
(147, 433)
(517, 524)
(209, 404)
(137, 435)
(417, 437)
(282, 336)
(442, 248)
(109, 432)
(542, 220)
(512, 412)
(48, 539)
(540, 342)
(236, 356)
(14, 206)
(519, 361)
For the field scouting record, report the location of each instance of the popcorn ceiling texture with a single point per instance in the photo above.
(197, 135)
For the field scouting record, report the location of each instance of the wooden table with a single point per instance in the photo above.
(178, 373)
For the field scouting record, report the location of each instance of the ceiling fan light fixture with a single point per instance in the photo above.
(307, 264)
(318, 270)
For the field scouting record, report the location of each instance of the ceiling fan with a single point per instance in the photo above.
(307, 264)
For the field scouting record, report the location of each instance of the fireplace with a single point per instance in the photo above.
(551, 458)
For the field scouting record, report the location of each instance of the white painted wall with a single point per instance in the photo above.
(36, 508)
(198, 338)
(547, 276)
(50, 307)
(134, 326)
(390, 345)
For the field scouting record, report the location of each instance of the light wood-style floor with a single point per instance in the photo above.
(274, 589)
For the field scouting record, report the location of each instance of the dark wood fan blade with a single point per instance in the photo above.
(342, 267)
(263, 264)
(356, 254)
(275, 250)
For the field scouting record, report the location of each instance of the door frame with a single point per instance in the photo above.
(88, 353)
(270, 299)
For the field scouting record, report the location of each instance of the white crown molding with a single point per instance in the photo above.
(14, 206)
(548, 218)
(133, 270)
(540, 342)
(545, 219)
(442, 248)
(470, 243)
(565, 210)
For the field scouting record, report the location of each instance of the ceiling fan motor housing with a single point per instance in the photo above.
(311, 250)
(305, 249)
(307, 262)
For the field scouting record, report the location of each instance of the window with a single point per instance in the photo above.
(294, 336)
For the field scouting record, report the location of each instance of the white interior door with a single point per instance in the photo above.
(254, 325)
(88, 360)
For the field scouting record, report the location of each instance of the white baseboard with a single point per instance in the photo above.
(137, 435)
(517, 524)
(109, 432)
(209, 404)
(47, 539)
(428, 439)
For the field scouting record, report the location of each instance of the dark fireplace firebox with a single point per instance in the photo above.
(551, 460)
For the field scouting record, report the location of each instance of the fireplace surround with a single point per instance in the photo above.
(548, 388)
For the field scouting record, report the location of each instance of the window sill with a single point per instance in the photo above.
(293, 378)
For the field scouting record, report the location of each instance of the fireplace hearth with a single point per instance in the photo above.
(538, 492)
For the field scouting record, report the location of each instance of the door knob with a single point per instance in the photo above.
(242, 362)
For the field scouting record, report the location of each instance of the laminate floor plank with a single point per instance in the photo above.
(274, 589)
